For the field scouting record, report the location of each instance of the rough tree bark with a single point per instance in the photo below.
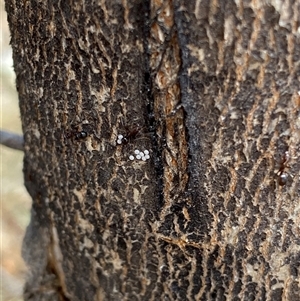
(211, 88)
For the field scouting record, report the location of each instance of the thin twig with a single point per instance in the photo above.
(11, 140)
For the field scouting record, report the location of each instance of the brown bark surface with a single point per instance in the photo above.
(211, 89)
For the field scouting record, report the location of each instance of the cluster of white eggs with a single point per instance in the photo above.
(120, 139)
(144, 155)
(139, 155)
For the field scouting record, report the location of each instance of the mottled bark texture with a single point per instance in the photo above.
(211, 88)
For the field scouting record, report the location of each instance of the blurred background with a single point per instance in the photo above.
(15, 201)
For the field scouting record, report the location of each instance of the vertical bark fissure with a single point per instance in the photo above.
(152, 124)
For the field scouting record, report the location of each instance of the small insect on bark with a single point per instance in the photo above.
(129, 135)
(77, 135)
(282, 175)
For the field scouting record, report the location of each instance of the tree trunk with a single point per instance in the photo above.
(211, 89)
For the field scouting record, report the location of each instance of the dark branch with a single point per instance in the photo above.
(11, 140)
